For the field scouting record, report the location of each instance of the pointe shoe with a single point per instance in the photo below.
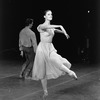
(45, 95)
(72, 74)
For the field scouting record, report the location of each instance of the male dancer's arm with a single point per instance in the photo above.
(20, 46)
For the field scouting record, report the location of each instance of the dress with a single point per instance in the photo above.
(47, 63)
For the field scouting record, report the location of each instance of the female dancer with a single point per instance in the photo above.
(48, 64)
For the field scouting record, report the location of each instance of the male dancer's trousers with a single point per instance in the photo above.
(28, 65)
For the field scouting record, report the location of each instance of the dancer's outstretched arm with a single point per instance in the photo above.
(64, 31)
(50, 26)
(43, 26)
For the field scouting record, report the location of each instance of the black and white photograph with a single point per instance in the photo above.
(49, 50)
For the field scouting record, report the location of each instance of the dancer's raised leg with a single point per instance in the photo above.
(70, 72)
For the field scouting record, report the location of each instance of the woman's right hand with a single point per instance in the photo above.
(21, 53)
(67, 36)
(65, 33)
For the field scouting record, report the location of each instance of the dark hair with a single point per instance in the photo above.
(28, 21)
(46, 11)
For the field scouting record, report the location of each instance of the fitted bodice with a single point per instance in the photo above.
(47, 35)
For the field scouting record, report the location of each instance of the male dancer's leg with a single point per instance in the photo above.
(31, 56)
(24, 66)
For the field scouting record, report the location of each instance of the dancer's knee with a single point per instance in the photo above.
(69, 65)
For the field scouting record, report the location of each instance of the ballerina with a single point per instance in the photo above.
(48, 63)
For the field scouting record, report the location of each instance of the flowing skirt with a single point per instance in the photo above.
(47, 63)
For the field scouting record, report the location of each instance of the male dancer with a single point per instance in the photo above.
(27, 46)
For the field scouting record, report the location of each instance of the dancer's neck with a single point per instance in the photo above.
(47, 22)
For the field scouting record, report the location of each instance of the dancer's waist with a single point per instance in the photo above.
(46, 41)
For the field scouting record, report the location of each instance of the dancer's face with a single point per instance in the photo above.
(48, 15)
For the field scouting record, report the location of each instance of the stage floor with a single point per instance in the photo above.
(87, 87)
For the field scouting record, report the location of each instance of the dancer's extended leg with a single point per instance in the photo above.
(70, 72)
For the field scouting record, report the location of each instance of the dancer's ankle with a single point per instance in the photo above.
(45, 92)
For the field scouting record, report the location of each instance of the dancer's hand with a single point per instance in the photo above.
(21, 53)
(67, 36)
(64, 31)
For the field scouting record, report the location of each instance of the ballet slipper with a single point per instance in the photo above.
(45, 95)
(21, 76)
(72, 74)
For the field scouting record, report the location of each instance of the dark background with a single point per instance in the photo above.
(83, 27)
